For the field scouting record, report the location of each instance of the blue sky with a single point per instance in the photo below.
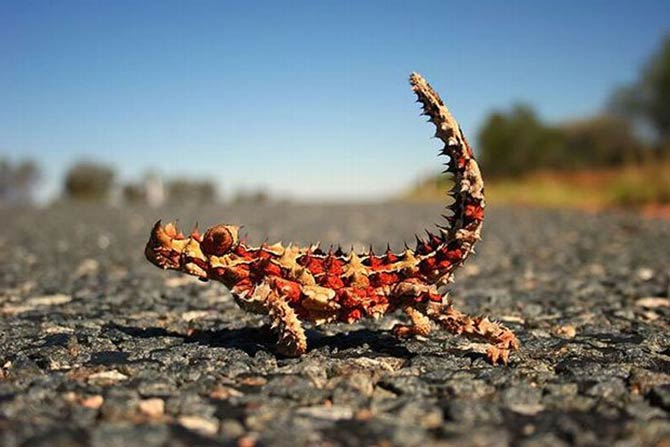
(309, 99)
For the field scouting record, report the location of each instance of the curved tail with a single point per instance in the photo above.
(466, 213)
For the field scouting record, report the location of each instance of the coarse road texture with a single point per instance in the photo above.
(99, 348)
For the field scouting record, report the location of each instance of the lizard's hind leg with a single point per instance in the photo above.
(420, 324)
(501, 338)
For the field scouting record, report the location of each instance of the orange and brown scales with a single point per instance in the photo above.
(319, 286)
(292, 284)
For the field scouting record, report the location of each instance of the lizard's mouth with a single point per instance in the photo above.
(165, 246)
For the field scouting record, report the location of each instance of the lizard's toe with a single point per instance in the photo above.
(402, 331)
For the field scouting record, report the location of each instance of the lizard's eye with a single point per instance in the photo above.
(218, 240)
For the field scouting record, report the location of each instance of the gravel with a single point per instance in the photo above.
(99, 348)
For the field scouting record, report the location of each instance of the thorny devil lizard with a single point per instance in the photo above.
(292, 284)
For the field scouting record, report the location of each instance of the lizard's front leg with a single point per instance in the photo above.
(420, 324)
(502, 339)
(291, 339)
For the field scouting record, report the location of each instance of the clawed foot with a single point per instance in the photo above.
(502, 340)
(499, 353)
(420, 324)
(403, 331)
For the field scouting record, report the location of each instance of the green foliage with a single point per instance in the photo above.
(648, 185)
(88, 182)
(191, 191)
(533, 162)
(134, 193)
(518, 142)
(601, 141)
(257, 196)
(511, 143)
(18, 181)
(648, 99)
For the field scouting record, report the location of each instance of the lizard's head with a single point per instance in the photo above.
(168, 248)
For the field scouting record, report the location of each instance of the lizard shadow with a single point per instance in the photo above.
(247, 339)
(252, 339)
(358, 343)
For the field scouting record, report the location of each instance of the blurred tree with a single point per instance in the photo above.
(17, 182)
(257, 196)
(190, 191)
(648, 99)
(134, 193)
(89, 181)
(603, 140)
(517, 142)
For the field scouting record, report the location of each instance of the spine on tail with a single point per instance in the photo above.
(466, 213)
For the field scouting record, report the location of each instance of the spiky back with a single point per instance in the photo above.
(357, 283)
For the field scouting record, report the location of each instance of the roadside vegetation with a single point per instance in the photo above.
(633, 185)
(644, 185)
(618, 158)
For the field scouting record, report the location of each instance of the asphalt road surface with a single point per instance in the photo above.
(99, 348)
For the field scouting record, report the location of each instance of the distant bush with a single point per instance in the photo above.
(18, 181)
(515, 142)
(518, 142)
(601, 141)
(648, 99)
(190, 191)
(134, 193)
(621, 157)
(257, 196)
(89, 181)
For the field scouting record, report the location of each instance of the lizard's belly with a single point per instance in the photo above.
(319, 304)
(346, 304)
